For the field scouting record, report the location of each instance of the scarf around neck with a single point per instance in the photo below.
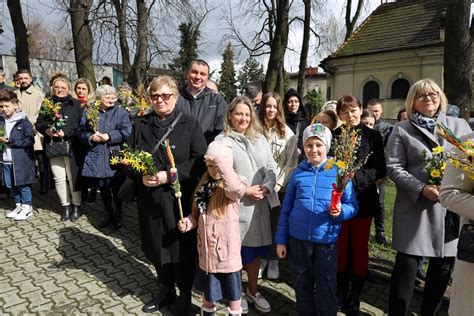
(204, 193)
(428, 123)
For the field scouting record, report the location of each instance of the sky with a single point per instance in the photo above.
(213, 31)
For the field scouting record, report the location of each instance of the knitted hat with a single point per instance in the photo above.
(220, 147)
(320, 131)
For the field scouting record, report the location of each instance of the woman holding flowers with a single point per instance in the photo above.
(58, 121)
(354, 236)
(104, 128)
(172, 253)
(256, 164)
(421, 225)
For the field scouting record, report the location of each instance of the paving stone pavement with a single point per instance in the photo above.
(48, 267)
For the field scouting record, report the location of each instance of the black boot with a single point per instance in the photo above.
(92, 195)
(353, 301)
(342, 288)
(208, 311)
(76, 213)
(165, 297)
(108, 219)
(118, 219)
(66, 213)
(183, 306)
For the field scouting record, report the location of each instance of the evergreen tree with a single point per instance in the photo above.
(252, 71)
(188, 51)
(227, 82)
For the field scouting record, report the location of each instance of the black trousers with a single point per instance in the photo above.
(379, 219)
(181, 272)
(403, 283)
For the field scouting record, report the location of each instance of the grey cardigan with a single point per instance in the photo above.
(254, 162)
(418, 223)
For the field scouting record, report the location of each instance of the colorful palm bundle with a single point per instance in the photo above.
(174, 176)
(434, 164)
(345, 160)
(463, 160)
(135, 160)
(92, 115)
(128, 100)
(52, 114)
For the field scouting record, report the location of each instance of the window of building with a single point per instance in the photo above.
(328, 93)
(371, 91)
(400, 89)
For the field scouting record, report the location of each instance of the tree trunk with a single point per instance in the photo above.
(351, 22)
(457, 55)
(121, 11)
(278, 48)
(304, 48)
(82, 38)
(21, 37)
(140, 64)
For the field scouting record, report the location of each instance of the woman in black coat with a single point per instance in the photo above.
(296, 117)
(65, 169)
(172, 253)
(354, 235)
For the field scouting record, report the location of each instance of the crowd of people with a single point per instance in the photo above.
(256, 187)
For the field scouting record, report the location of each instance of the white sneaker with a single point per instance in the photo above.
(15, 212)
(259, 301)
(263, 265)
(25, 213)
(273, 272)
(244, 305)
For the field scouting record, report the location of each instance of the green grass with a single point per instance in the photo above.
(384, 255)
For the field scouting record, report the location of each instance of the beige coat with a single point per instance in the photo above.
(30, 103)
(457, 195)
(418, 223)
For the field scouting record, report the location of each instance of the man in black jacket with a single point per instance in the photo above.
(201, 103)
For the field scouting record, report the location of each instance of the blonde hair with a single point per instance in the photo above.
(218, 201)
(424, 86)
(161, 81)
(254, 127)
(59, 77)
(90, 90)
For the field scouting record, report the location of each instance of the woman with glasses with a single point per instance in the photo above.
(422, 227)
(172, 253)
(65, 169)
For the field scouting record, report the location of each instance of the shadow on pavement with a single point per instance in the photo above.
(115, 268)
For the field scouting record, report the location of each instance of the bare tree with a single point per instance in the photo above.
(21, 36)
(304, 47)
(351, 21)
(82, 38)
(457, 55)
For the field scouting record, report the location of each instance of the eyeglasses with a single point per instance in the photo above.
(424, 97)
(164, 96)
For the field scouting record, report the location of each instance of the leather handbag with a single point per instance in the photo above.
(466, 243)
(58, 149)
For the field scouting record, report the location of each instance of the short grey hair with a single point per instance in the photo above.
(104, 89)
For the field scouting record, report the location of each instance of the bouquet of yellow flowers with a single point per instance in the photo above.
(464, 160)
(434, 165)
(135, 160)
(345, 161)
(135, 102)
(52, 113)
(92, 115)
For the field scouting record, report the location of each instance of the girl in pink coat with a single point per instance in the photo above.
(215, 212)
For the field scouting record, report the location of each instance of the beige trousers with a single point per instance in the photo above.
(61, 169)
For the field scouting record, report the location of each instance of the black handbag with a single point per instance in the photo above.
(466, 243)
(58, 149)
(128, 190)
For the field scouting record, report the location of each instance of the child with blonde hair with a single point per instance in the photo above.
(215, 213)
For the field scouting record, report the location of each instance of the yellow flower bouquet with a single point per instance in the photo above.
(52, 114)
(92, 115)
(137, 102)
(135, 160)
(463, 160)
(345, 160)
(434, 164)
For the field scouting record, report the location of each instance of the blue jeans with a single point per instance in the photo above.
(22, 194)
(313, 270)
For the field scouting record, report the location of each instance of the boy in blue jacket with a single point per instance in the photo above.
(310, 229)
(16, 154)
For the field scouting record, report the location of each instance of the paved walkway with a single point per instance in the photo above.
(50, 267)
